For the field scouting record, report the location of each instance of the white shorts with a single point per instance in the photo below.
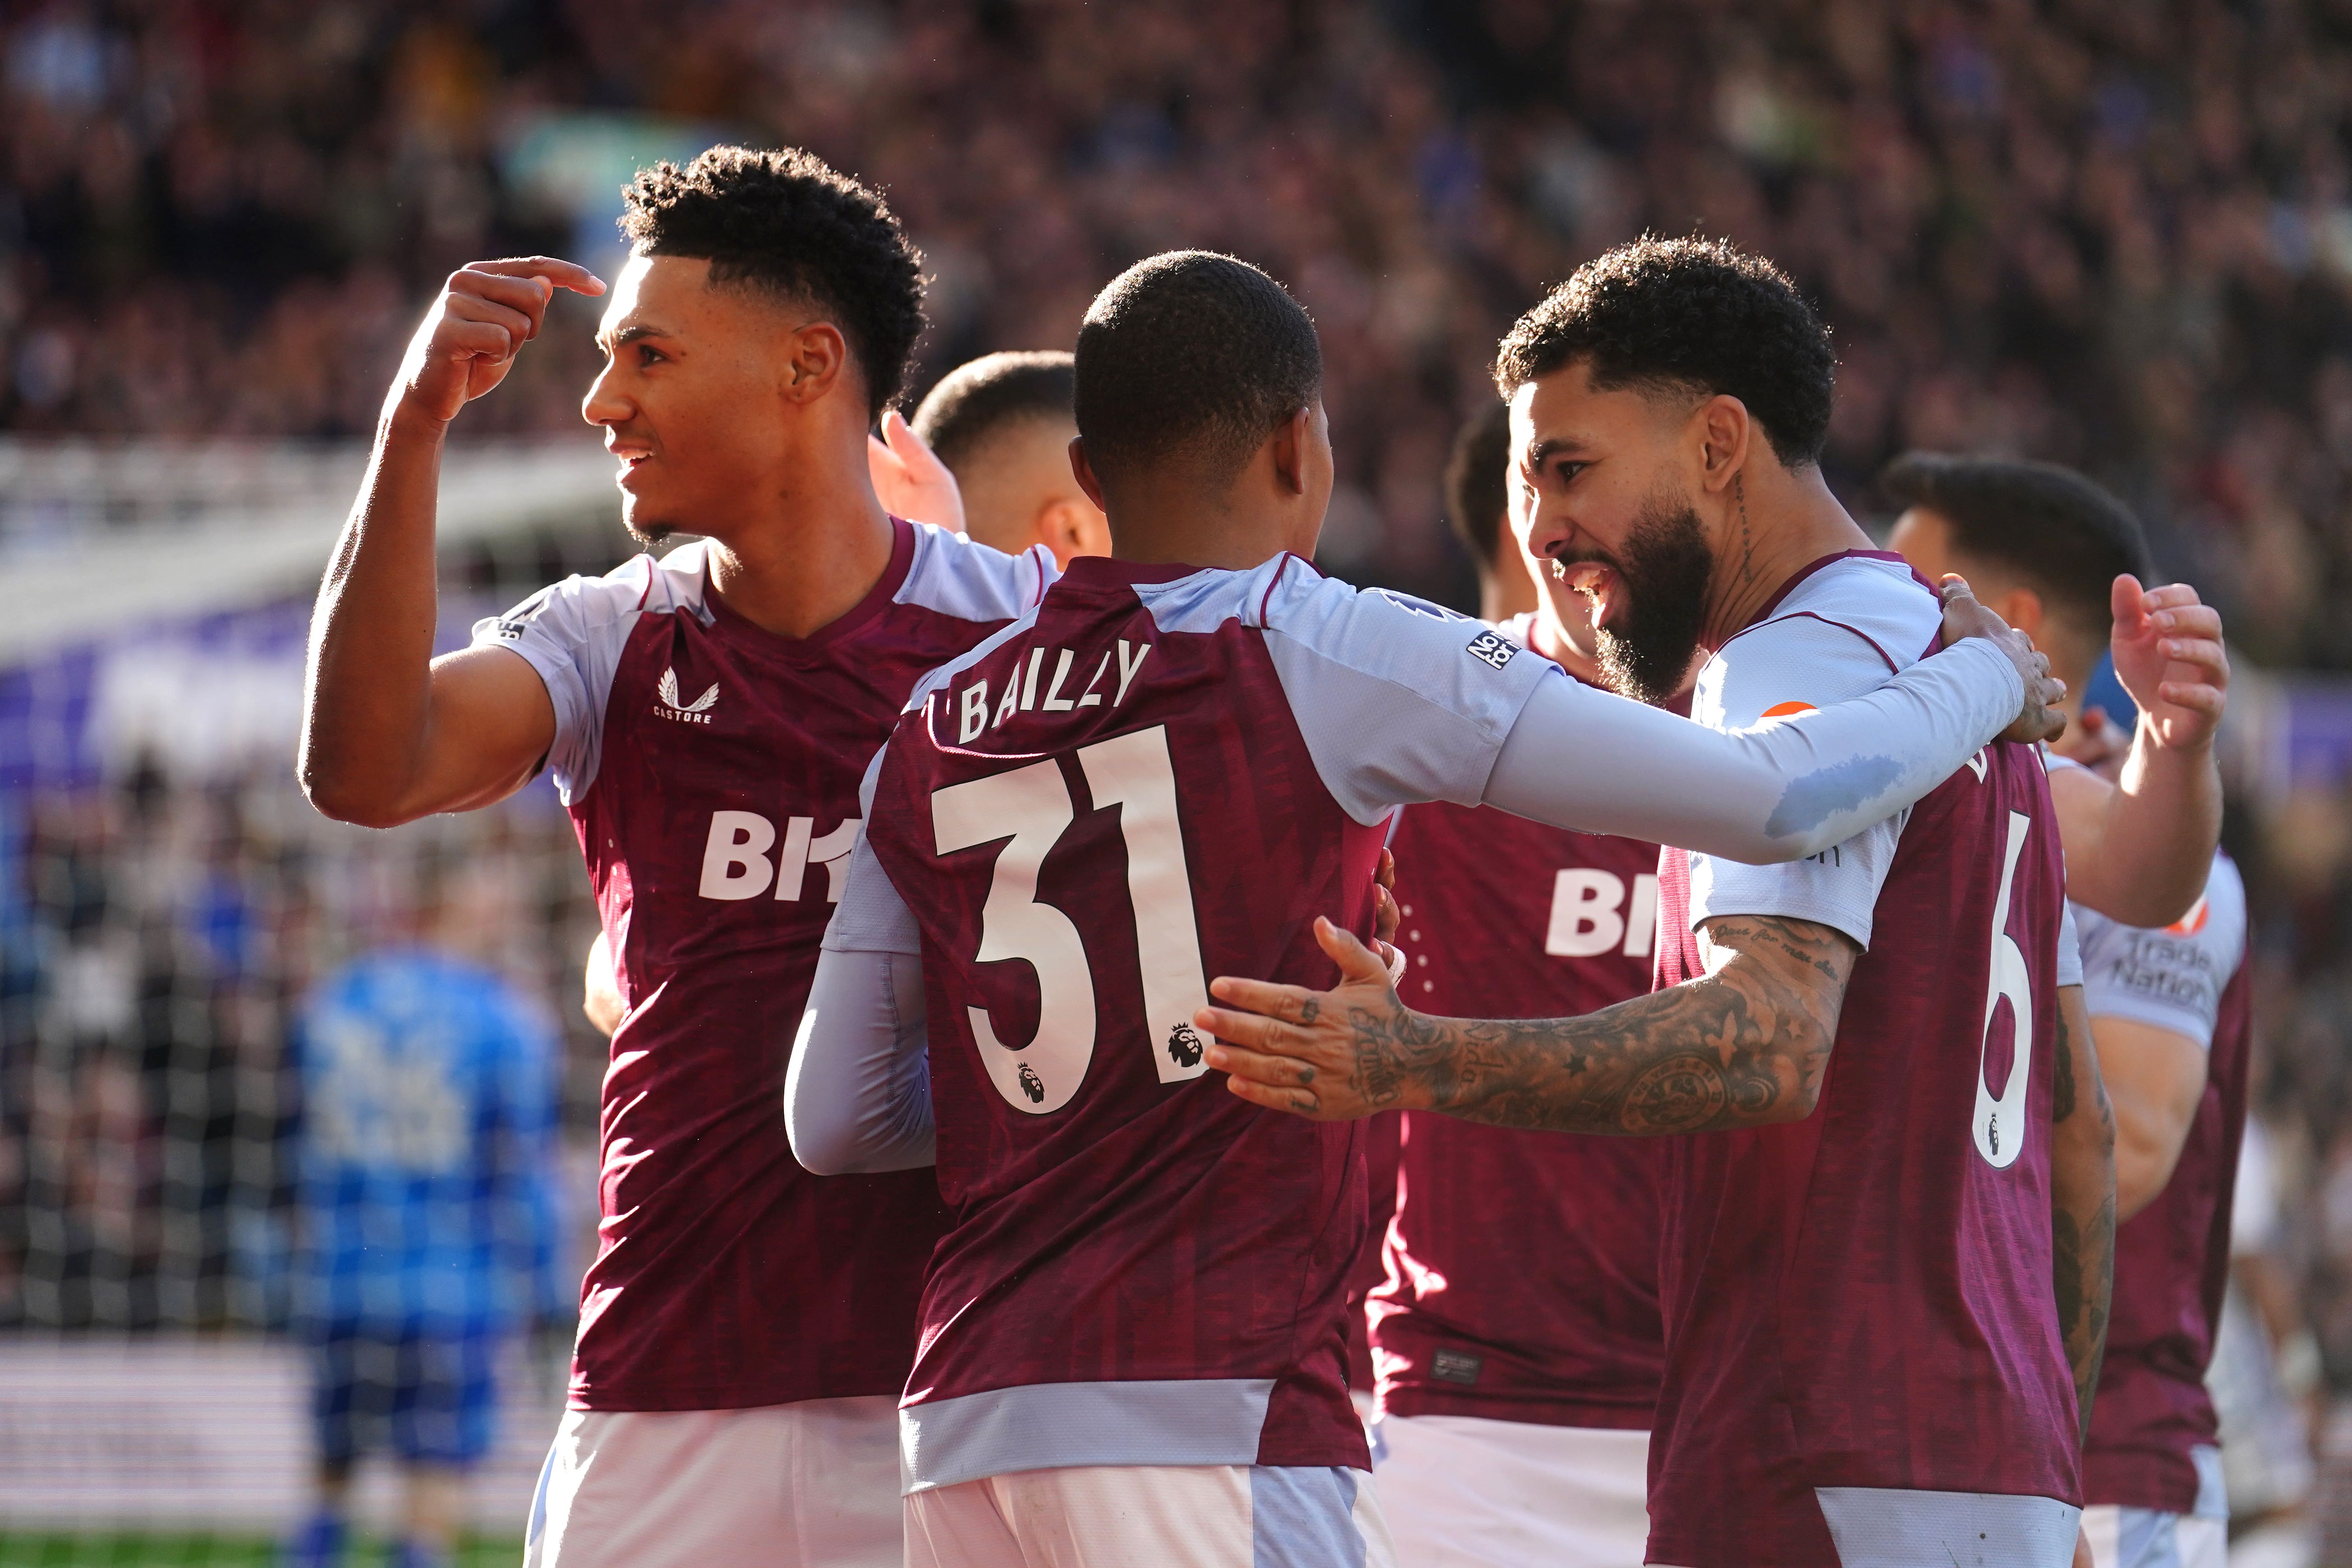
(1165, 1516)
(2145, 1538)
(811, 1485)
(1463, 1492)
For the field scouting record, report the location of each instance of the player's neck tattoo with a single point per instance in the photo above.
(1747, 533)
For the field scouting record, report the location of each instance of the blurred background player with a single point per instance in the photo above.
(1822, 1245)
(1475, 506)
(1516, 1339)
(2169, 1010)
(745, 1329)
(1003, 424)
(428, 1230)
(1133, 1345)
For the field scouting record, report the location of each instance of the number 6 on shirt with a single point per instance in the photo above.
(1031, 807)
(2000, 1123)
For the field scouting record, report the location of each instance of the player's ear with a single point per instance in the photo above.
(2023, 608)
(816, 357)
(1084, 472)
(1723, 432)
(1060, 527)
(1292, 439)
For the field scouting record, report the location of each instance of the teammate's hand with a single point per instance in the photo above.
(1386, 918)
(2039, 719)
(2083, 1558)
(2169, 656)
(1289, 1048)
(909, 480)
(467, 342)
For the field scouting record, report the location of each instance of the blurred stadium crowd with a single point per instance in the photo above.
(2112, 233)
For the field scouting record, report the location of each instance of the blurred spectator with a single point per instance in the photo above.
(2113, 234)
(428, 1112)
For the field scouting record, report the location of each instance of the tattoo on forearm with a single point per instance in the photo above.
(2082, 1269)
(2062, 1072)
(2082, 1244)
(1730, 1050)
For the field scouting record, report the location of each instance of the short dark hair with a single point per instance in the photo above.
(1190, 352)
(2052, 527)
(1695, 315)
(1476, 482)
(785, 220)
(974, 401)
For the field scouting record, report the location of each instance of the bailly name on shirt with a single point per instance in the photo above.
(1021, 694)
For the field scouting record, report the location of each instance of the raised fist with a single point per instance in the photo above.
(467, 342)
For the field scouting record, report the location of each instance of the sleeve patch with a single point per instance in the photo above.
(1789, 709)
(1487, 648)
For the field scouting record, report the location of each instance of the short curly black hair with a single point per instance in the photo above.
(787, 221)
(1191, 354)
(1700, 316)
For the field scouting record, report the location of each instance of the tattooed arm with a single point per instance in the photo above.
(1744, 1046)
(2082, 1196)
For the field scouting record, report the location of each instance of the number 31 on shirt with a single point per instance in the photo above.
(1032, 807)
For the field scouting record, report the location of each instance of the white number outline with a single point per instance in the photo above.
(2008, 976)
(1029, 808)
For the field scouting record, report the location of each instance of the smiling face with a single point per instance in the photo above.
(694, 395)
(1602, 490)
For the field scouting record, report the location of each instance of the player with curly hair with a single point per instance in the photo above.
(746, 1327)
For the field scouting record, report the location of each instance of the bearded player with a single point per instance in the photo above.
(1132, 1346)
(1517, 1339)
(2168, 1004)
(746, 1326)
(1520, 1331)
(1885, 1268)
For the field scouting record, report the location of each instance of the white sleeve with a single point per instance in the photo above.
(858, 1094)
(572, 634)
(1398, 701)
(1778, 791)
(1804, 658)
(2170, 978)
(871, 916)
(2070, 948)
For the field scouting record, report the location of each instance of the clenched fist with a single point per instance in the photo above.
(469, 340)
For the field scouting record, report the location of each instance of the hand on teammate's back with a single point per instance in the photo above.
(467, 342)
(1289, 1048)
(2039, 719)
(909, 480)
(2169, 657)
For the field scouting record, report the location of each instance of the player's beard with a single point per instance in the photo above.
(1646, 647)
(651, 532)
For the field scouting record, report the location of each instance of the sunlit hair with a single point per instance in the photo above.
(2051, 526)
(975, 400)
(1697, 317)
(1195, 357)
(786, 221)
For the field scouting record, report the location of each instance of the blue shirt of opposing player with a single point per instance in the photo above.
(428, 1142)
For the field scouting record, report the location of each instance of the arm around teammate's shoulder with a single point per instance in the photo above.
(1781, 791)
